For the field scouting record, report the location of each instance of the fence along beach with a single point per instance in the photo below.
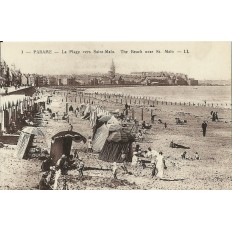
(208, 96)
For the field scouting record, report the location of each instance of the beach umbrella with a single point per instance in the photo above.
(33, 131)
(75, 136)
(105, 118)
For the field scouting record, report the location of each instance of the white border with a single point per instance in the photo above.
(115, 21)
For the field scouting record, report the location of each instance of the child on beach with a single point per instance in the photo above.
(114, 170)
(197, 157)
(90, 144)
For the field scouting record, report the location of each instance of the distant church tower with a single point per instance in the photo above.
(112, 70)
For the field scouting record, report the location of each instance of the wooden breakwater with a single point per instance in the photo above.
(140, 101)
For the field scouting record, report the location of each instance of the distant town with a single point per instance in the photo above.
(11, 76)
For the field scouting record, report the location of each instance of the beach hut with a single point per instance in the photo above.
(113, 120)
(26, 139)
(100, 137)
(116, 142)
(105, 118)
(62, 142)
(102, 134)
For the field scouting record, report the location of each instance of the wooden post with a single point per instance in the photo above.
(66, 107)
(142, 114)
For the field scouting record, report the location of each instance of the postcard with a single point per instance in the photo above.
(115, 115)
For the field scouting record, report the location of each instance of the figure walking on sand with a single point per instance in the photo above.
(160, 165)
(204, 126)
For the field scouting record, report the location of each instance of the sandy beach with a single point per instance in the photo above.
(212, 171)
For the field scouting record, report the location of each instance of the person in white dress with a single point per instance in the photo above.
(115, 170)
(135, 159)
(160, 165)
(153, 155)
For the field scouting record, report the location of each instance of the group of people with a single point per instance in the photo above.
(52, 173)
(214, 116)
(20, 121)
(196, 156)
(157, 162)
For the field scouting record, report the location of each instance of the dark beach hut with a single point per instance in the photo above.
(116, 142)
(62, 143)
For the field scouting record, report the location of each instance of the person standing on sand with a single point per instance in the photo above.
(154, 170)
(135, 159)
(70, 127)
(43, 184)
(124, 168)
(204, 126)
(197, 157)
(183, 156)
(61, 165)
(152, 118)
(114, 170)
(90, 144)
(75, 155)
(216, 116)
(80, 167)
(160, 165)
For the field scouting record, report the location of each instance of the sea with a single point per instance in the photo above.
(217, 95)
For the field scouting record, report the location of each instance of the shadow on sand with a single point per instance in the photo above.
(96, 169)
(173, 179)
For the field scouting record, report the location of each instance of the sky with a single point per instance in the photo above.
(199, 60)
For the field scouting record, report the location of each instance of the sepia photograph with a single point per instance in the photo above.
(115, 116)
